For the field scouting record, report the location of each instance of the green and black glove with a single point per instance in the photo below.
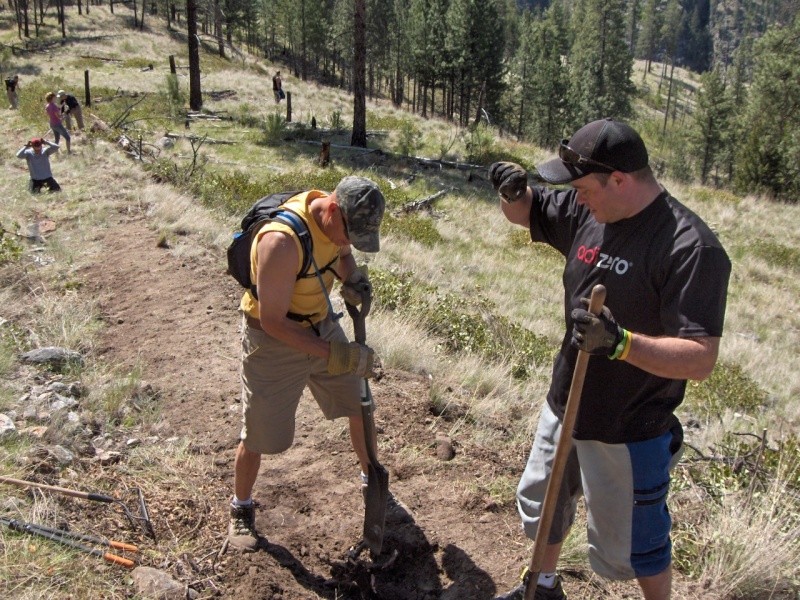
(597, 334)
(509, 180)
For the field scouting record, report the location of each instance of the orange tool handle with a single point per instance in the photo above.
(118, 560)
(123, 546)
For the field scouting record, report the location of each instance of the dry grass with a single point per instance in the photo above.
(480, 254)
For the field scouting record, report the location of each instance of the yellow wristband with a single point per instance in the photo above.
(628, 344)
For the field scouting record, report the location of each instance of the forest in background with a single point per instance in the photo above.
(538, 70)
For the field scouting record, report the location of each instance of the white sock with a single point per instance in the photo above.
(547, 580)
(236, 502)
(364, 478)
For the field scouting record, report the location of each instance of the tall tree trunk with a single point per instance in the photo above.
(62, 19)
(669, 97)
(218, 28)
(195, 93)
(359, 75)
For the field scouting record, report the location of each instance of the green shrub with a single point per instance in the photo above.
(389, 122)
(480, 144)
(707, 194)
(409, 138)
(776, 254)
(728, 387)
(336, 122)
(464, 324)
(173, 95)
(274, 129)
(244, 116)
(417, 228)
(10, 248)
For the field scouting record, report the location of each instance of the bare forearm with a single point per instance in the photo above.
(518, 212)
(674, 358)
(295, 335)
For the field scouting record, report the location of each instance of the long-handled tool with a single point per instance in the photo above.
(73, 540)
(143, 520)
(377, 491)
(562, 452)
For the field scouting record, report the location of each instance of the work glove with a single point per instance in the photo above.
(357, 288)
(351, 357)
(509, 180)
(596, 334)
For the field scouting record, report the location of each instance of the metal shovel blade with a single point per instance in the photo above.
(376, 494)
(375, 499)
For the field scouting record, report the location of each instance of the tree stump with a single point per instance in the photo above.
(325, 154)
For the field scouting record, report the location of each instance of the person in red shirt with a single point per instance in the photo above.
(54, 114)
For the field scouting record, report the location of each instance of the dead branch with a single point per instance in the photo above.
(341, 146)
(425, 203)
(194, 138)
(89, 56)
(433, 162)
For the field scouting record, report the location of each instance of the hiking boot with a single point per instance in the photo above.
(242, 533)
(542, 593)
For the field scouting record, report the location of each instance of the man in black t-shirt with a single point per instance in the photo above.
(666, 278)
(12, 91)
(69, 107)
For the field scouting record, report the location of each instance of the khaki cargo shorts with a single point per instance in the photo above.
(274, 376)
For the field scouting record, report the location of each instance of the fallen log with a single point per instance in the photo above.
(425, 203)
(197, 138)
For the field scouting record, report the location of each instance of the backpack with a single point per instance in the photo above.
(266, 209)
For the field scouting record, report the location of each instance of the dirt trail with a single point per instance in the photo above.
(176, 319)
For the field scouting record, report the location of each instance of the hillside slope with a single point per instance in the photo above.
(146, 262)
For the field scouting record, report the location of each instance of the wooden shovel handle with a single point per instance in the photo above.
(562, 452)
(54, 488)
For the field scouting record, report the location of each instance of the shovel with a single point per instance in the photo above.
(377, 492)
(562, 452)
(143, 520)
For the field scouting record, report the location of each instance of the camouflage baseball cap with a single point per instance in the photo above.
(362, 205)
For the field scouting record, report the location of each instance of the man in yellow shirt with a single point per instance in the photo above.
(290, 340)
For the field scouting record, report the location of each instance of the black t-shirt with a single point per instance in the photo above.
(70, 102)
(665, 274)
(11, 85)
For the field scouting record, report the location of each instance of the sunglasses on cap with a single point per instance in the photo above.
(570, 156)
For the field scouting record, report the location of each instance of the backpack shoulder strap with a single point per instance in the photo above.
(298, 225)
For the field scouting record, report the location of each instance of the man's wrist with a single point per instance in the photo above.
(622, 349)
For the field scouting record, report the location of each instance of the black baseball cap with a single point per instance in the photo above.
(601, 146)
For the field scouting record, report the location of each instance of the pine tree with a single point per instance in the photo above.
(711, 129)
(542, 78)
(769, 155)
(600, 64)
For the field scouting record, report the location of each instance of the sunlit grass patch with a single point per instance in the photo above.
(727, 388)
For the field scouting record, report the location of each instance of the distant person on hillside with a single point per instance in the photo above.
(666, 277)
(277, 87)
(290, 339)
(12, 91)
(69, 107)
(54, 115)
(39, 164)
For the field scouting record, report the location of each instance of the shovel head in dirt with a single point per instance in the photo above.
(376, 494)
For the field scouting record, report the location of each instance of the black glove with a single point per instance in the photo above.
(509, 179)
(595, 334)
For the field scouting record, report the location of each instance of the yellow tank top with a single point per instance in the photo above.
(308, 298)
